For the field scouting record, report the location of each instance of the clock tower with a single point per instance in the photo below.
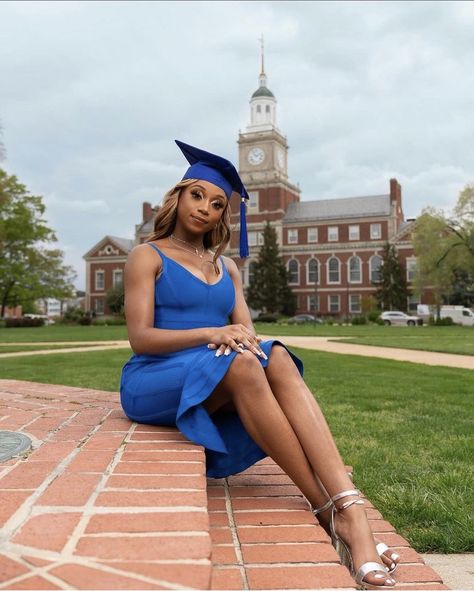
(263, 154)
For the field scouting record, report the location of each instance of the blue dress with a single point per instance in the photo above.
(170, 388)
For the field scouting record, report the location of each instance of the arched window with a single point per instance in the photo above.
(293, 270)
(333, 270)
(313, 271)
(252, 269)
(355, 270)
(267, 109)
(375, 267)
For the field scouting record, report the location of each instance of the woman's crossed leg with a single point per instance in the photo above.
(283, 418)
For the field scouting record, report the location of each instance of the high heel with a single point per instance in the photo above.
(380, 546)
(344, 551)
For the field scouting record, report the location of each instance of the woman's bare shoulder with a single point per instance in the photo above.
(144, 257)
(230, 264)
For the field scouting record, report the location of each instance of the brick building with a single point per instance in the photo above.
(331, 247)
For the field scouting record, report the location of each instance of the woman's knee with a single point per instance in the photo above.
(245, 366)
(279, 354)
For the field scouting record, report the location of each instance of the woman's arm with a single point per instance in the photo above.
(141, 269)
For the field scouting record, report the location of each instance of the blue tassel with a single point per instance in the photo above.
(244, 245)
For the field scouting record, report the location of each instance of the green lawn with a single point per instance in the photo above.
(58, 332)
(444, 339)
(406, 429)
(27, 347)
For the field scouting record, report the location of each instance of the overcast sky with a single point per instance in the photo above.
(92, 95)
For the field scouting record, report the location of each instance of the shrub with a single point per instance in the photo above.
(23, 322)
(448, 321)
(266, 318)
(359, 320)
(374, 316)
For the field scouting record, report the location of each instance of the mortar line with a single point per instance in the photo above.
(235, 536)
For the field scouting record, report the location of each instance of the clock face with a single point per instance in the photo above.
(281, 158)
(256, 156)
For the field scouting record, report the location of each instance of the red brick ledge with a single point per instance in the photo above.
(101, 502)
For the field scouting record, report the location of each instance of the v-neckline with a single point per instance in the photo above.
(195, 276)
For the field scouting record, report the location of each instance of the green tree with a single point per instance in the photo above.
(444, 247)
(115, 299)
(29, 270)
(268, 289)
(392, 292)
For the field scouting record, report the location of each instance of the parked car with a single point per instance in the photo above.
(46, 320)
(302, 318)
(400, 319)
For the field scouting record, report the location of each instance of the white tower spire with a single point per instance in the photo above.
(263, 101)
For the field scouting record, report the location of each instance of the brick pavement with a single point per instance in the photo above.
(103, 503)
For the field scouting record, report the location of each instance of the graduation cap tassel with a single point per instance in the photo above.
(244, 246)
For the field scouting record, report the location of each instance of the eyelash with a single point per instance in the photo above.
(199, 195)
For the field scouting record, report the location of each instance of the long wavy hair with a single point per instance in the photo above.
(164, 223)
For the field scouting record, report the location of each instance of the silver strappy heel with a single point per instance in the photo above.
(380, 546)
(343, 549)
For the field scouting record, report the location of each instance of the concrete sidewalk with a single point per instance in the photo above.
(331, 345)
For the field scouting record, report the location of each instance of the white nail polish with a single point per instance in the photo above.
(395, 556)
(228, 353)
(218, 354)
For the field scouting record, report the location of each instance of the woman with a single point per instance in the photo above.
(240, 397)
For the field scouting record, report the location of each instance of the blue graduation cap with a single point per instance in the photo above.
(222, 173)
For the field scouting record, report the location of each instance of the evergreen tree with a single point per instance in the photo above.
(268, 290)
(392, 292)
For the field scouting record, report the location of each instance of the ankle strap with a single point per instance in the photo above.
(325, 507)
(345, 493)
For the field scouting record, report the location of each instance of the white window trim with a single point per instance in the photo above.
(95, 280)
(339, 270)
(317, 235)
(256, 196)
(292, 232)
(252, 238)
(410, 260)
(358, 231)
(349, 269)
(379, 237)
(114, 273)
(308, 282)
(370, 265)
(338, 303)
(308, 307)
(298, 272)
(337, 231)
(359, 310)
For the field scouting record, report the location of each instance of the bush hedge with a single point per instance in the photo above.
(23, 322)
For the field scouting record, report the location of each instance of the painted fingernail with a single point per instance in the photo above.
(218, 353)
(379, 577)
(227, 352)
(395, 556)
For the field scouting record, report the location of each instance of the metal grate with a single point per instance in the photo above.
(12, 444)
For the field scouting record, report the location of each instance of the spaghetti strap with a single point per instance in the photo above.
(154, 247)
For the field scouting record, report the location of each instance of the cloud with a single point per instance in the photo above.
(97, 92)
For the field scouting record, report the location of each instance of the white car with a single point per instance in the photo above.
(399, 319)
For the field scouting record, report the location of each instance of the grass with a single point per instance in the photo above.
(426, 342)
(405, 428)
(30, 347)
(58, 332)
(443, 339)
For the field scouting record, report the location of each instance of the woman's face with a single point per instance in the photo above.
(200, 206)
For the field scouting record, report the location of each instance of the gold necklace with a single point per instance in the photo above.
(196, 251)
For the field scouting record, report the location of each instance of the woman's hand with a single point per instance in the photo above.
(237, 337)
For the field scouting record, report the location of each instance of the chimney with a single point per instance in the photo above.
(147, 211)
(396, 199)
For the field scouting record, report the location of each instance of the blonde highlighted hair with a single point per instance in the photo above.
(164, 223)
